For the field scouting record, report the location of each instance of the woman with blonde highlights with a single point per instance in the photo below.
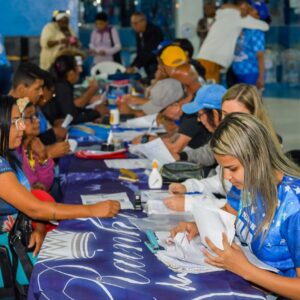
(245, 98)
(268, 219)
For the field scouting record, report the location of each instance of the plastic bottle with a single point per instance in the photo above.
(114, 116)
(155, 180)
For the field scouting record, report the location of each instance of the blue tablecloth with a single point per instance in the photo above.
(107, 259)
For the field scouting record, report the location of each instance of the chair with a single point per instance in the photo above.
(8, 291)
(107, 68)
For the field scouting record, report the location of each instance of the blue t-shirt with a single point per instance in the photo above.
(281, 247)
(248, 44)
(3, 58)
(8, 213)
(43, 121)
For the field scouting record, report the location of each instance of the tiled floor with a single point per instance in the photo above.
(285, 116)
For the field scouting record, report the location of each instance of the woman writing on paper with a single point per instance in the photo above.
(268, 216)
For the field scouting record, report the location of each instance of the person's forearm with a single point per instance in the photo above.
(283, 286)
(261, 63)
(52, 44)
(86, 97)
(19, 197)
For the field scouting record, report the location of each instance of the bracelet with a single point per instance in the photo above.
(145, 139)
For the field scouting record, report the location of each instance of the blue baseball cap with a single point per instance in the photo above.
(161, 46)
(261, 7)
(208, 96)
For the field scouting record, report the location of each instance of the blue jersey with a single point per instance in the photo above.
(248, 44)
(280, 248)
(3, 57)
(7, 212)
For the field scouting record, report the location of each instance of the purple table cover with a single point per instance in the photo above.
(107, 259)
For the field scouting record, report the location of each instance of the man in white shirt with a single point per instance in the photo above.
(217, 50)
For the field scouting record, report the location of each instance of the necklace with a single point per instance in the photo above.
(30, 158)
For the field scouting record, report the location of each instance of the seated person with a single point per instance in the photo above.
(38, 169)
(28, 82)
(164, 94)
(16, 195)
(207, 104)
(48, 134)
(239, 98)
(268, 210)
(188, 47)
(66, 73)
(174, 61)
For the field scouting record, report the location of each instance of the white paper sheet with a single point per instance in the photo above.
(147, 195)
(183, 255)
(212, 222)
(134, 163)
(127, 135)
(155, 149)
(121, 197)
(157, 207)
(141, 122)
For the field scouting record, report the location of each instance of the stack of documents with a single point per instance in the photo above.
(155, 149)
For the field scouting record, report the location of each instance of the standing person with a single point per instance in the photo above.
(148, 37)
(248, 63)
(105, 43)
(5, 70)
(205, 23)
(56, 36)
(217, 50)
(268, 215)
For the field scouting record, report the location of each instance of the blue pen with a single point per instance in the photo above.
(193, 193)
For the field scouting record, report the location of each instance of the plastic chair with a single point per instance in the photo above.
(107, 68)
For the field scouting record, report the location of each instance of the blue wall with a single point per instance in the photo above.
(28, 17)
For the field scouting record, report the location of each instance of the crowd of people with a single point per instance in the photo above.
(224, 130)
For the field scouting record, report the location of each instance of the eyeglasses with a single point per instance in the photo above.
(18, 123)
(32, 118)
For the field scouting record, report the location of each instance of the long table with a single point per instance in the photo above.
(97, 258)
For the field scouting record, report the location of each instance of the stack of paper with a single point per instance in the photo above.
(155, 149)
(148, 121)
(212, 222)
(182, 255)
(147, 195)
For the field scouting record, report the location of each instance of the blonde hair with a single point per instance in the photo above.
(247, 139)
(249, 96)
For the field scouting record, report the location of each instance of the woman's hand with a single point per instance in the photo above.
(39, 148)
(59, 149)
(37, 237)
(177, 188)
(231, 258)
(189, 227)
(106, 209)
(175, 202)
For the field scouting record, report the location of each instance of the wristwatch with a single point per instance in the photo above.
(145, 139)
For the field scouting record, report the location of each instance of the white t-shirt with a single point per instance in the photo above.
(219, 44)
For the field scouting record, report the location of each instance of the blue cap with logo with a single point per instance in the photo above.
(161, 46)
(208, 96)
